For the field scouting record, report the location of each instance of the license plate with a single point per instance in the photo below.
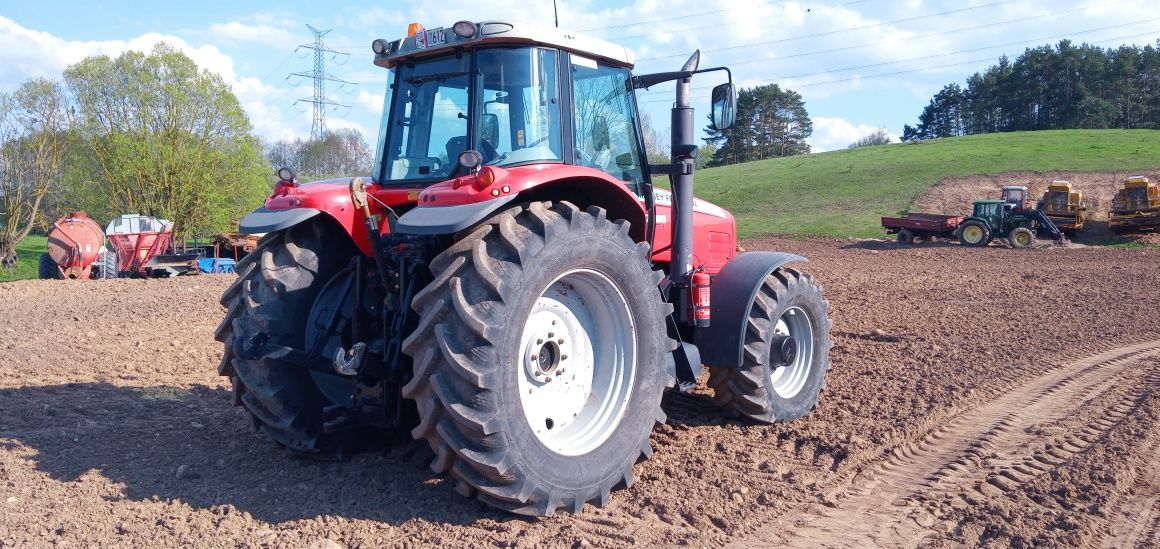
(430, 38)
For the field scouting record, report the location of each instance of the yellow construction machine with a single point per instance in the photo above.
(1065, 206)
(1136, 207)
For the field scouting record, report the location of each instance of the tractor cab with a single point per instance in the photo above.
(1015, 197)
(993, 212)
(518, 95)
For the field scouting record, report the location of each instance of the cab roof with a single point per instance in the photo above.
(502, 32)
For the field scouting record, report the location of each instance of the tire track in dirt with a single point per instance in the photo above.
(984, 451)
(1137, 522)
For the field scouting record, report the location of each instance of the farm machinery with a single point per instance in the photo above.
(138, 247)
(926, 226)
(509, 285)
(1065, 206)
(1010, 218)
(74, 249)
(1135, 207)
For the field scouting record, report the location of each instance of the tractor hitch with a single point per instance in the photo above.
(259, 346)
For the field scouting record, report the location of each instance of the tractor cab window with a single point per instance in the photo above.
(519, 105)
(425, 119)
(987, 210)
(505, 104)
(1137, 196)
(604, 118)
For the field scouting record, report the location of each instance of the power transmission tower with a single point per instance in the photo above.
(320, 77)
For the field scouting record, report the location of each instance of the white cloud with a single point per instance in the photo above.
(838, 133)
(29, 54)
(235, 31)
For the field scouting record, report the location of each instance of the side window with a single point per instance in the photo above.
(604, 118)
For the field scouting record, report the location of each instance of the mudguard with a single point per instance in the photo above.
(731, 295)
(267, 221)
(448, 219)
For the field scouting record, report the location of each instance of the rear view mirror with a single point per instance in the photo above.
(724, 105)
(489, 129)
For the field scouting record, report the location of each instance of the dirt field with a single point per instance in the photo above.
(977, 397)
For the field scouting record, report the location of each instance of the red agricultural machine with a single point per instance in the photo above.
(138, 246)
(508, 284)
(74, 249)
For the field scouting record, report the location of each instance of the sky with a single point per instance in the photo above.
(860, 65)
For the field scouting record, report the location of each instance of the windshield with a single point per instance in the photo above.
(508, 109)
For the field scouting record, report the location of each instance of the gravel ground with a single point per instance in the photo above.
(977, 397)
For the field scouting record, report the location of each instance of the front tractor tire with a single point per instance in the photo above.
(785, 355)
(974, 233)
(271, 300)
(539, 359)
(1021, 237)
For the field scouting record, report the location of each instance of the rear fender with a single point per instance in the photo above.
(462, 207)
(328, 199)
(731, 297)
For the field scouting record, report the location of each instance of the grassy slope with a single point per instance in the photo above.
(28, 252)
(843, 193)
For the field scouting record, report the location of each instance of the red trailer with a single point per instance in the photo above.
(922, 225)
(140, 244)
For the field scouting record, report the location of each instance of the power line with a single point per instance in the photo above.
(686, 16)
(908, 19)
(907, 71)
(319, 100)
(859, 46)
(927, 35)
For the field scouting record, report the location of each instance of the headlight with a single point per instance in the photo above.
(464, 29)
(470, 159)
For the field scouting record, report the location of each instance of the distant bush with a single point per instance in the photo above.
(877, 137)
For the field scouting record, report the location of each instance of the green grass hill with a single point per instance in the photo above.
(844, 193)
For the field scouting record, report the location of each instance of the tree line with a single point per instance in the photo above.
(1045, 88)
(144, 133)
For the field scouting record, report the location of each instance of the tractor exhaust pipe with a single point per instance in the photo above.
(684, 159)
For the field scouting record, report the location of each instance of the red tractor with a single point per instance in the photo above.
(508, 284)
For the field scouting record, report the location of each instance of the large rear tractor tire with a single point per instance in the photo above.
(1021, 237)
(272, 298)
(47, 268)
(786, 352)
(540, 359)
(973, 233)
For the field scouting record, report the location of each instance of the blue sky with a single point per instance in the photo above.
(859, 64)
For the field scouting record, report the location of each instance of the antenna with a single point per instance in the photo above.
(320, 77)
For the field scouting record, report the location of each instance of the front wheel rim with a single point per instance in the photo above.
(1023, 239)
(788, 378)
(577, 362)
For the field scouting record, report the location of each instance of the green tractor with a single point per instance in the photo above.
(1009, 218)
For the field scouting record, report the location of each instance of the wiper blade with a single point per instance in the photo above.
(437, 77)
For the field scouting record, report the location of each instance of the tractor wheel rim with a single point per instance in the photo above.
(973, 234)
(1023, 239)
(788, 380)
(577, 362)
